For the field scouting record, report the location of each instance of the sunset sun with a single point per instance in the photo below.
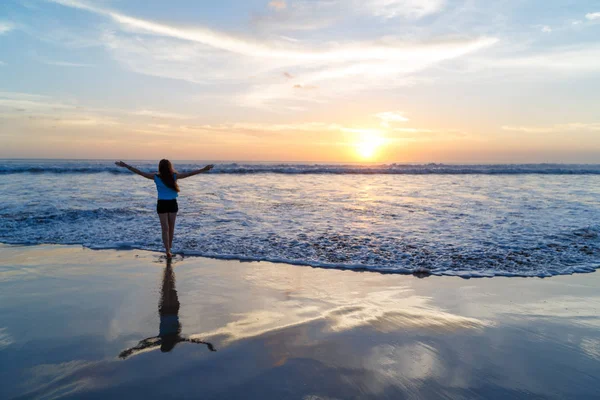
(368, 145)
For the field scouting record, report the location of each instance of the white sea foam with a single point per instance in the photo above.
(461, 224)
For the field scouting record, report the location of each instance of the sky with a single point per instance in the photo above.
(456, 81)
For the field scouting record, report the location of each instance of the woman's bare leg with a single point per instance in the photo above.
(172, 217)
(164, 226)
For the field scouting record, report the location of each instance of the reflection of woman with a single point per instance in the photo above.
(170, 328)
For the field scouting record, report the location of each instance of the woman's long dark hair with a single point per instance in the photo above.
(165, 172)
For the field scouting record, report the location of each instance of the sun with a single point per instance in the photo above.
(369, 144)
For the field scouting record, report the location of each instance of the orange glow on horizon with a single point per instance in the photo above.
(369, 144)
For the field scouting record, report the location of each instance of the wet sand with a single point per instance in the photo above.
(78, 323)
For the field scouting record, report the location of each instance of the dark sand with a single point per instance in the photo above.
(285, 332)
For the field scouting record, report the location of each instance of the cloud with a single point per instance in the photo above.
(593, 16)
(41, 110)
(65, 64)
(546, 29)
(68, 64)
(206, 36)
(303, 15)
(58, 63)
(363, 131)
(573, 58)
(5, 27)
(403, 134)
(22, 102)
(557, 128)
(244, 127)
(390, 65)
(207, 56)
(162, 115)
(305, 87)
(278, 5)
(2, 63)
(402, 8)
(84, 121)
(390, 117)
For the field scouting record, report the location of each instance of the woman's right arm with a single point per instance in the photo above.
(134, 170)
(142, 345)
(184, 175)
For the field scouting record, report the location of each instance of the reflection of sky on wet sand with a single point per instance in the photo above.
(386, 311)
(66, 313)
(267, 299)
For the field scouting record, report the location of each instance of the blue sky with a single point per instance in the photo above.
(305, 80)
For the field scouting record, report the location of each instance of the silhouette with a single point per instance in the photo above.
(170, 327)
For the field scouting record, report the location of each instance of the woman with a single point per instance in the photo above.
(168, 190)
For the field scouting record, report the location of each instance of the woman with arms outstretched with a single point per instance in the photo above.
(168, 190)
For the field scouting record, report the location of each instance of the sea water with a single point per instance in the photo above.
(465, 220)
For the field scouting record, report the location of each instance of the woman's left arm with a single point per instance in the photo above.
(209, 345)
(184, 175)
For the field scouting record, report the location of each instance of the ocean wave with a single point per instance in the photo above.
(563, 253)
(333, 169)
(466, 272)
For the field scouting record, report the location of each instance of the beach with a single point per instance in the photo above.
(73, 317)
(299, 199)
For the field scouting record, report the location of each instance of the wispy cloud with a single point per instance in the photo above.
(32, 103)
(557, 128)
(416, 134)
(573, 58)
(546, 29)
(2, 63)
(67, 64)
(302, 15)
(58, 63)
(402, 8)
(5, 27)
(37, 111)
(162, 115)
(593, 16)
(203, 55)
(389, 117)
(64, 63)
(203, 35)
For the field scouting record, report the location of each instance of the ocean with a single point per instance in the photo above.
(464, 220)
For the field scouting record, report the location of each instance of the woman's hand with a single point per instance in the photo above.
(209, 167)
(120, 164)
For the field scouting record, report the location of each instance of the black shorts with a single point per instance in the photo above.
(167, 206)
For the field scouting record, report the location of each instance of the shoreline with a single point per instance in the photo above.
(419, 272)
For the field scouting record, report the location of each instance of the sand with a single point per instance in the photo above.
(79, 323)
